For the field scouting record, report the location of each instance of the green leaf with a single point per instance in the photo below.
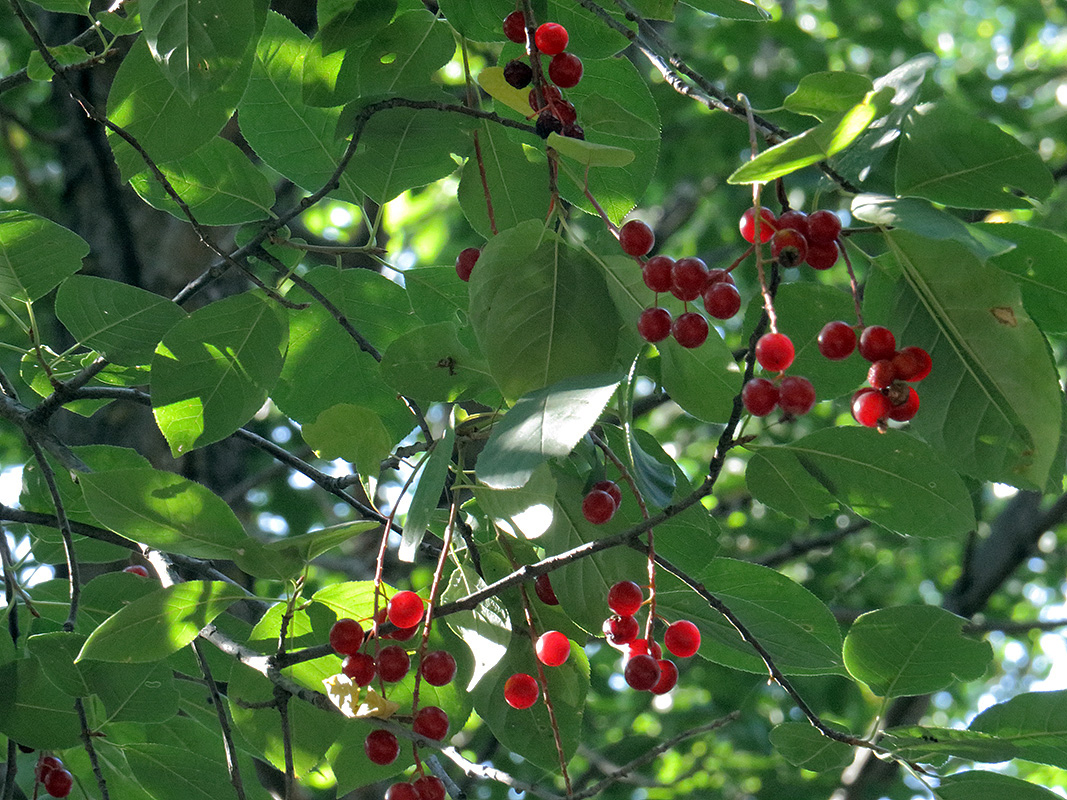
(32, 712)
(813, 145)
(919, 216)
(307, 546)
(652, 469)
(491, 79)
(891, 479)
(480, 19)
(65, 54)
(165, 511)
(934, 745)
(143, 693)
(354, 433)
(525, 512)
(803, 746)
(777, 479)
(487, 629)
(330, 73)
(427, 493)
(1035, 264)
(101, 597)
(65, 6)
(590, 154)
(430, 363)
(731, 9)
(821, 94)
(403, 57)
(702, 380)
(910, 650)
(218, 183)
(36, 255)
(978, 785)
(540, 310)
(160, 623)
(1034, 722)
(56, 653)
(991, 363)
(122, 322)
(979, 170)
(60, 367)
(542, 425)
(177, 773)
(199, 44)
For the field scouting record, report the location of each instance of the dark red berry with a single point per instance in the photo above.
(58, 782)
(768, 225)
(907, 409)
(682, 638)
(636, 238)
(796, 395)
(565, 70)
(381, 747)
(611, 488)
(518, 73)
(359, 667)
(760, 397)
(718, 276)
(823, 226)
(566, 112)
(774, 352)
(881, 374)
(870, 407)
(877, 343)
(689, 276)
(620, 630)
(393, 663)
(572, 131)
(545, 593)
(429, 787)
(547, 123)
(515, 27)
(465, 262)
(346, 637)
(912, 364)
(640, 647)
(837, 340)
(402, 791)
(438, 667)
(625, 598)
(46, 764)
(598, 507)
(551, 38)
(641, 672)
(405, 609)
(521, 690)
(668, 677)
(552, 648)
(722, 300)
(656, 273)
(431, 722)
(402, 634)
(789, 247)
(654, 324)
(822, 255)
(794, 221)
(690, 329)
(137, 569)
(551, 95)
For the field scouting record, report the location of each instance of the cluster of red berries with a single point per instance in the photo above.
(427, 787)
(602, 502)
(796, 238)
(554, 114)
(793, 394)
(50, 773)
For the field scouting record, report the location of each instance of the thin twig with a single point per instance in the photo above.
(224, 721)
(281, 700)
(87, 741)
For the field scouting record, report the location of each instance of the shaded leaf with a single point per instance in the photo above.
(929, 745)
(428, 493)
(1036, 264)
(36, 255)
(1033, 722)
(823, 93)
(354, 433)
(32, 712)
(731, 9)
(590, 154)
(803, 746)
(177, 773)
(430, 363)
(980, 785)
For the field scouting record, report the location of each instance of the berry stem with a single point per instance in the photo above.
(485, 182)
(757, 218)
(852, 282)
(738, 261)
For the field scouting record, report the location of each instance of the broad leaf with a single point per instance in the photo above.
(486, 630)
(36, 255)
(1034, 722)
(935, 745)
(403, 56)
(427, 493)
(910, 650)
(177, 773)
(32, 712)
(354, 433)
(431, 363)
(980, 785)
(144, 693)
(803, 746)
(331, 65)
(56, 653)
(590, 154)
(64, 6)
(1036, 264)
(732, 9)
(821, 94)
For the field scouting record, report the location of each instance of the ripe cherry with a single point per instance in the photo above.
(346, 637)
(431, 722)
(774, 352)
(870, 407)
(640, 647)
(46, 764)
(551, 95)
(552, 648)
(515, 27)
(794, 221)
(465, 262)
(58, 782)
(402, 791)
(438, 667)
(906, 410)
(689, 276)
(690, 329)
(545, 593)
(381, 747)
(405, 609)
(912, 364)
(768, 225)
(656, 273)
(719, 276)
(429, 787)
(636, 238)
(682, 638)
(598, 507)
(518, 73)
(881, 374)
(625, 598)
(642, 672)
(668, 677)
(722, 300)
(760, 397)
(619, 630)
(565, 70)
(877, 342)
(137, 569)
(521, 690)
(654, 324)
(547, 123)
(837, 340)
(393, 663)
(551, 38)
(360, 667)
(611, 488)
(402, 634)
(823, 226)
(796, 395)
(822, 255)
(789, 247)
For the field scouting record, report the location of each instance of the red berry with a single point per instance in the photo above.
(822, 255)
(668, 677)
(774, 352)
(401, 791)
(690, 329)
(719, 276)
(640, 647)
(760, 397)
(598, 507)
(402, 634)
(552, 648)
(837, 340)
(794, 221)
(654, 324)
(465, 262)
(768, 225)
(393, 663)
(359, 667)
(568, 115)
(137, 569)
(431, 722)
(870, 407)
(551, 38)
(611, 488)
(625, 598)
(346, 637)
(620, 630)
(688, 277)
(438, 667)
(550, 93)
(881, 374)
(429, 787)
(722, 300)
(796, 395)
(46, 764)
(682, 638)
(515, 27)
(544, 590)
(789, 247)
(521, 690)
(823, 226)
(381, 747)
(907, 409)
(642, 672)
(58, 782)
(877, 343)
(565, 70)
(912, 364)
(405, 609)
(656, 273)
(636, 238)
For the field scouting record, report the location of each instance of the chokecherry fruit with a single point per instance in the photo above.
(551, 96)
(518, 73)
(668, 677)
(138, 570)
(438, 667)
(58, 782)
(465, 262)
(598, 507)
(521, 690)
(654, 324)
(690, 329)
(656, 273)
(768, 225)
(794, 221)
(620, 630)
(431, 722)
(551, 38)
(565, 70)
(405, 609)
(722, 300)
(870, 407)
(381, 747)
(46, 764)
(912, 364)
(682, 638)
(877, 343)
(837, 340)
(429, 787)
(823, 226)
(636, 237)
(393, 663)
(689, 276)
(906, 410)
(625, 598)
(760, 397)
(515, 27)
(640, 647)
(774, 351)
(822, 255)
(796, 395)
(552, 648)
(545, 593)
(611, 488)
(346, 637)
(641, 672)
(547, 123)
(789, 247)
(401, 791)
(881, 374)
(360, 667)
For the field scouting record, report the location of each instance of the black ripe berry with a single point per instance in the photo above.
(547, 123)
(518, 73)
